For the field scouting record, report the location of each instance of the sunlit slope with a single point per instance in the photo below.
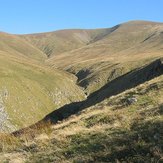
(128, 39)
(57, 42)
(128, 46)
(18, 47)
(113, 129)
(29, 92)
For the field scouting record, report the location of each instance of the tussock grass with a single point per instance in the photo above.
(111, 131)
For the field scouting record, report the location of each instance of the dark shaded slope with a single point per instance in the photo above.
(120, 84)
(130, 45)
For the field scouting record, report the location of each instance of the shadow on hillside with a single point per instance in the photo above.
(118, 85)
(122, 145)
(114, 87)
(143, 143)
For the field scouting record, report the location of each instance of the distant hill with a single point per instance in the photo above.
(18, 47)
(83, 95)
(57, 42)
(123, 48)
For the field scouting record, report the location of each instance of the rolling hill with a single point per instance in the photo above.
(57, 42)
(28, 89)
(90, 58)
(100, 55)
(83, 95)
(20, 48)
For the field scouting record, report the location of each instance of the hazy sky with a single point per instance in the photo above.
(30, 16)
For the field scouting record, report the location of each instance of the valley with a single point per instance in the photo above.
(81, 95)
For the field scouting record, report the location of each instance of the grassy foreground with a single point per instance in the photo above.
(111, 131)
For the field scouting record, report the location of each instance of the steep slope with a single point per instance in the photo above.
(120, 120)
(97, 58)
(28, 92)
(19, 48)
(112, 88)
(28, 89)
(54, 43)
(128, 46)
(126, 38)
(113, 130)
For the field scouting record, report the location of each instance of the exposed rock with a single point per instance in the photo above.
(5, 123)
(131, 100)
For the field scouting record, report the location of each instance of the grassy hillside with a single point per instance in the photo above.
(83, 95)
(28, 89)
(57, 42)
(113, 130)
(20, 48)
(28, 92)
(126, 40)
(128, 46)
